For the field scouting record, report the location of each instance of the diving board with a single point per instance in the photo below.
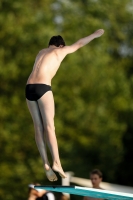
(91, 192)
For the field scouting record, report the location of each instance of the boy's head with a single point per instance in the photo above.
(96, 178)
(57, 41)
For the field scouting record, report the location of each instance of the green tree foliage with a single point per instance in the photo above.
(25, 29)
(92, 89)
(99, 88)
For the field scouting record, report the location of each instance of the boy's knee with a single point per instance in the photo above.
(39, 127)
(50, 128)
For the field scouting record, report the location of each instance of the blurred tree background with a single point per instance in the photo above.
(93, 90)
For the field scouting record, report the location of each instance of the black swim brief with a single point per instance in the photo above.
(33, 92)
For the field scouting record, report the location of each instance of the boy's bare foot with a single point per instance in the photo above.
(98, 33)
(58, 168)
(49, 173)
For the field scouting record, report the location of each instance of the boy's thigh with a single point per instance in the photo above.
(46, 106)
(34, 111)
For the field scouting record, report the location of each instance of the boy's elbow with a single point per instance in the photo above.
(80, 43)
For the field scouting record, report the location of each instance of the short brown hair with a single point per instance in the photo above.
(97, 171)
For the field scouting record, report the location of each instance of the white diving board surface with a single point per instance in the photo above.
(91, 192)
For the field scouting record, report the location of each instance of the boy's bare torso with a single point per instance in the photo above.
(48, 60)
(46, 65)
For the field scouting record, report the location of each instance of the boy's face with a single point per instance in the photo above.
(96, 180)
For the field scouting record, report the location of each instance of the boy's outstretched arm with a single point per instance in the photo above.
(82, 42)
